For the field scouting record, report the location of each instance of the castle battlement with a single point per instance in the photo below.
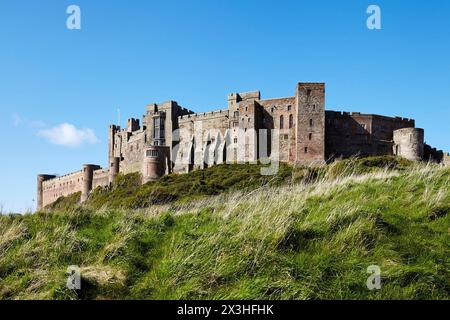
(58, 178)
(204, 115)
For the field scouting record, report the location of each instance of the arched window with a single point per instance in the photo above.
(310, 122)
(291, 121)
(281, 122)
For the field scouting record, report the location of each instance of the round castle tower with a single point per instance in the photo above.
(409, 143)
(88, 177)
(114, 167)
(156, 163)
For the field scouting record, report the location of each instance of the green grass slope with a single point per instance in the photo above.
(311, 235)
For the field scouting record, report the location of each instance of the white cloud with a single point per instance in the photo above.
(68, 135)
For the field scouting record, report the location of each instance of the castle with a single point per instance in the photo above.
(295, 129)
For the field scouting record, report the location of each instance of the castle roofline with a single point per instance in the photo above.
(353, 113)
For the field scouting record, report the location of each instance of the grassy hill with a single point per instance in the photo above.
(229, 233)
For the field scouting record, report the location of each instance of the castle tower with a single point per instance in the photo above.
(88, 177)
(112, 140)
(40, 189)
(409, 143)
(249, 123)
(156, 163)
(310, 116)
(114, 168)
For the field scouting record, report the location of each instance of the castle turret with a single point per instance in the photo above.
(40, 189)
(112, 131)
(409, 143)
(156, 163)
(133, 125)
(114, 166)
(88, 177)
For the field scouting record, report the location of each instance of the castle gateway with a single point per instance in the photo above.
(294, 129)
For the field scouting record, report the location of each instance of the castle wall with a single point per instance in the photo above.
(383, 127)
(129, 148)
(100, 178)
(40, 189)
(349, 134)
(62, 186)
(280, 114)
(204, 129)
(432, 154)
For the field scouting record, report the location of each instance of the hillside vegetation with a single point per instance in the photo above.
(306, 233)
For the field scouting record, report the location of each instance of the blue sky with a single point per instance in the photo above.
(60, 88)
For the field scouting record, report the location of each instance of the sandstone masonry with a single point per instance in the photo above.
(297, 129)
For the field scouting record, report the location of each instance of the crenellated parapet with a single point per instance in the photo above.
(203, 116)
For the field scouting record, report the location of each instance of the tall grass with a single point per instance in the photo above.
(311, 237)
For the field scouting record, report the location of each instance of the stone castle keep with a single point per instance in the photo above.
(295, 129)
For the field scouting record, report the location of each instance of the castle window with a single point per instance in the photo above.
(152, 153)
(291, 121)
(281, 122)
(246, 109)
(272, 109)
(289, 107)
(249, 119)
(158, 128)
(235, 140)
(236, 114)
(308, 93)
(311, 122)
(306, 149)
(310, 136)
(314, 107)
